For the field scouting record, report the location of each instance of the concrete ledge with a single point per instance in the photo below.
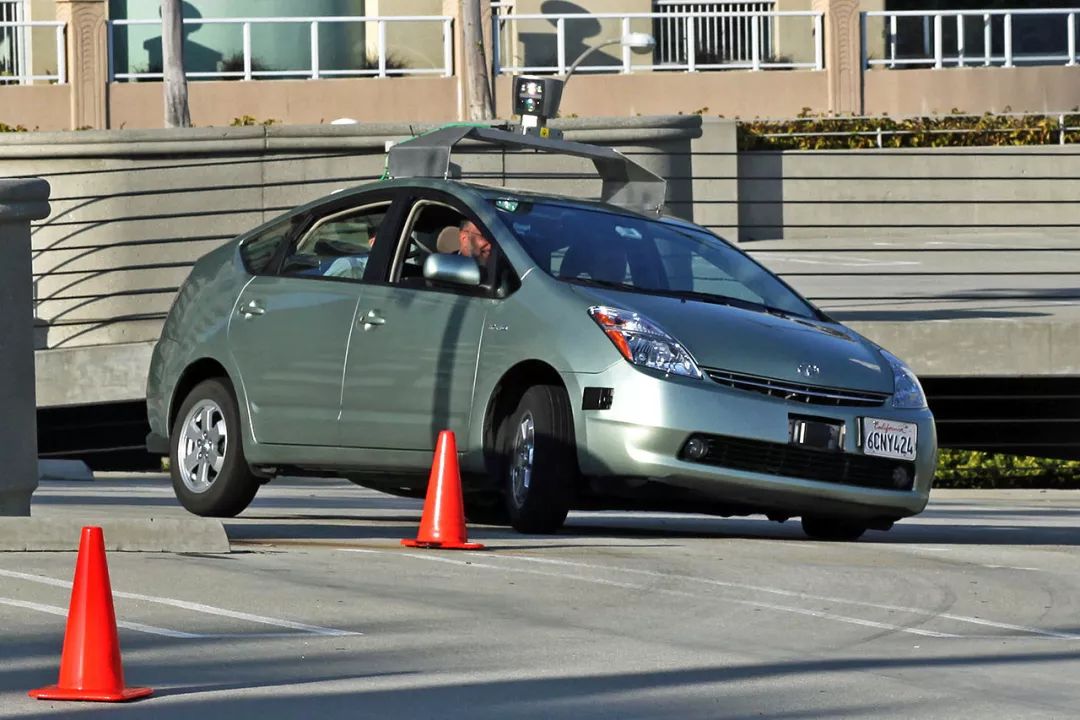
(68, 470)
(176, 535)
(93, 374)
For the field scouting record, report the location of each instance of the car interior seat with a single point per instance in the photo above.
(449, 240)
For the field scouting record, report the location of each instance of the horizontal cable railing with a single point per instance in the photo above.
(380, 64)
(969, 38)
(16, 58)
(694, 35)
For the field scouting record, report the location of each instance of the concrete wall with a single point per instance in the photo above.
(37, 107)
(845, 194)
(972, 90)
(727, 94)
(294, 102)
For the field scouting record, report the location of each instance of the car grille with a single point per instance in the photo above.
(808, 394)
(796, 462)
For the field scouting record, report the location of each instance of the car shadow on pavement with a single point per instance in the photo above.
(432, 683)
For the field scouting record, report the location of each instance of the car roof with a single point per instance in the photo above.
(478, 191)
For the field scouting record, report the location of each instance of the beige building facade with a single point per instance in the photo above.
(422, 59)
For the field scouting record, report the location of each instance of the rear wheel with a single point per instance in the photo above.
(824, 528)
(210, 475)
(540, 460)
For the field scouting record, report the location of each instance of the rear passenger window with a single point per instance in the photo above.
(258, 252)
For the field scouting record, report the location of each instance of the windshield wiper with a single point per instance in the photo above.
(592, 282)
(716, 299)
(710, 298)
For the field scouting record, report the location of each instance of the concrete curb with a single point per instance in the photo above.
(64, 470)
(176, 535)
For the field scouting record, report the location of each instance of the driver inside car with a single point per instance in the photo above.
(472, 243)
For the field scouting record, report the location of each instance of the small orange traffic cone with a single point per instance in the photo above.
(90, 666)
(442, 525)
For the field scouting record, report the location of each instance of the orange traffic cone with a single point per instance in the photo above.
(90, 663)
(442, 525)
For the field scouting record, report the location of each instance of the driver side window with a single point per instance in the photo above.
(337, 246)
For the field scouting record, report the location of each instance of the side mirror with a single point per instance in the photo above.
(451, 270)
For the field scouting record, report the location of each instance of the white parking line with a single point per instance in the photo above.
(801, 596)
(195, 607)
(666, 591)
(62, 612)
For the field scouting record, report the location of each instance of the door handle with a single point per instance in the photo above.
(251, 309)
(372, 318)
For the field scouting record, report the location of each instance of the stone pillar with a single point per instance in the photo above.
(88, 61)
(20, 202)
(843, 55)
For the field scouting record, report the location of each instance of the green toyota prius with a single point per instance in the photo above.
(587, 354)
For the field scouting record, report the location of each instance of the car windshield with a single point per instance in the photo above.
(606, 249)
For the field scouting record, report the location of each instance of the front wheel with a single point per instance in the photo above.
(210, 475)
(540, 460)
(823, 528)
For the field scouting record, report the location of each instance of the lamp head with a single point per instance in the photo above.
(639, 42)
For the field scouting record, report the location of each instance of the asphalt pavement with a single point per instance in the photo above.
(969, 610)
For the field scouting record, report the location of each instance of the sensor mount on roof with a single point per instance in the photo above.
(625, 182)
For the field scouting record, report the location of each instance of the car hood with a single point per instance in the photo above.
(760, 343)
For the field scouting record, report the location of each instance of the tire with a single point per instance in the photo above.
(832, 529)
(539, 468)
(217, 481)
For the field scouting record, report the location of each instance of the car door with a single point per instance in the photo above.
(411, 367)
(290, 327)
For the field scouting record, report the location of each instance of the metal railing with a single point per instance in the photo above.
(14, 42)
(314, 71)
(727, 38)
(506, 33)
(967, 38)
(16, 58)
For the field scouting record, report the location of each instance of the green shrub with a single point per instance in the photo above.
(249, 121)
(810, 132)
(975, 469)
(11, 128)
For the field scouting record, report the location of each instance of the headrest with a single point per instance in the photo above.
(448, 241)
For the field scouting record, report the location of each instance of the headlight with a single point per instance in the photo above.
(908, 393)
(643, 343)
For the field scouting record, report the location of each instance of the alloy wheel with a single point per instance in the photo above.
(204, 442)
(521, 461)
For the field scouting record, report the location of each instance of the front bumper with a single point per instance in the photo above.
(651, 418)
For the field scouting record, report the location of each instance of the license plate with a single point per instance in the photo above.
(889, 438)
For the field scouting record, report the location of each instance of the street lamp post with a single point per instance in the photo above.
(537, 98)
(638, 42)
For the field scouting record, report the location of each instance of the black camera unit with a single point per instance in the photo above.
(536, 99)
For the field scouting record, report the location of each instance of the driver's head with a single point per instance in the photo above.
(473, 243)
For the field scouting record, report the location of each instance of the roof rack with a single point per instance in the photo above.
(625, 183)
